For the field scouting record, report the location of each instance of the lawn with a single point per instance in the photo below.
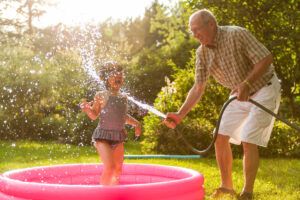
(277, 178)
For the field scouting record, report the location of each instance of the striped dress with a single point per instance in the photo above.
(111, 125)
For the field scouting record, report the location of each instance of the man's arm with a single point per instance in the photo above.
(259, 55)
(191, 100)
(259, 69)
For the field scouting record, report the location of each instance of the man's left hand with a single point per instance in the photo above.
(243, 92)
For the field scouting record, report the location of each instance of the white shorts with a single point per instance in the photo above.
(245, 122)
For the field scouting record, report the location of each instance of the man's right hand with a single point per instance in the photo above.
(172, 120)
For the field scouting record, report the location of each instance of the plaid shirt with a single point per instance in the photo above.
(231, 58)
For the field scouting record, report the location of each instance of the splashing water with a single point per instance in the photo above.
(88, 60)
(147, 107)
(151, 109)
(87, 52)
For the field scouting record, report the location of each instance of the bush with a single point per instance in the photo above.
(285, 141)
(201, 119)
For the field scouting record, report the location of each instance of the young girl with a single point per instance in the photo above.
(109, 136)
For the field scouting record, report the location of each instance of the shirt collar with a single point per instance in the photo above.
(216, 39)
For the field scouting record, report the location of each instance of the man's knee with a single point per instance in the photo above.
(249, 147)
(222, 140)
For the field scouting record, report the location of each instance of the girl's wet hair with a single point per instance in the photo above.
(107, 69)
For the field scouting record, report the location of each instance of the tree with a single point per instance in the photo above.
(31, 9)
(8, 27)
(166, 41)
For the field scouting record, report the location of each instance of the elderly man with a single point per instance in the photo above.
(238, 61)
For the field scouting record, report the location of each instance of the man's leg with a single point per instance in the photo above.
(250, 165)
(224, 160)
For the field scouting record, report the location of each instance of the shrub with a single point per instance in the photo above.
(197, 126)
(285, 141)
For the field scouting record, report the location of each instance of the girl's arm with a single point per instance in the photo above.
(93, 108)
(135, 123)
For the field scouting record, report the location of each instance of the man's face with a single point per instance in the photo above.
(203, 32)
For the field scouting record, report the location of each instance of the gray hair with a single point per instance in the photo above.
(204, 15)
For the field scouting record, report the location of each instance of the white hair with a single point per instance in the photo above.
(204, 16)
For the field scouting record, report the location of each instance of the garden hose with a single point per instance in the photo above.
(215, 134)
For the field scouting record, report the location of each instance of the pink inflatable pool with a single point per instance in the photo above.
(80, 182)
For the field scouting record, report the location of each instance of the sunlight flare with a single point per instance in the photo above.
(72, 12)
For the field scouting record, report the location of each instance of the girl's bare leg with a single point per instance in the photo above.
(105, 153)
(118, 155)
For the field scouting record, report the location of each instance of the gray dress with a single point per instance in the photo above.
(111, 127)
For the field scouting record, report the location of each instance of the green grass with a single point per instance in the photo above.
(277, 179)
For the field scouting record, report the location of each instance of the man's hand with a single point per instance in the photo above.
(172, 120)
(138, 130)
(243, 91)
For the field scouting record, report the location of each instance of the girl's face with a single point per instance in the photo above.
(115, 80)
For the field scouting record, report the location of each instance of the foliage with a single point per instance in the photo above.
(196, 127)
(285, 141)
(39, 100)
(6, 23)
(166, 42)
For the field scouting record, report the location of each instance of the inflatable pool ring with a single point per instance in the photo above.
(81, 182)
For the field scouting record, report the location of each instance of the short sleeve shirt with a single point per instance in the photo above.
(231, 58)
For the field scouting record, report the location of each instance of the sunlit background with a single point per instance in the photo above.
(81, 11)
(74, 12)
